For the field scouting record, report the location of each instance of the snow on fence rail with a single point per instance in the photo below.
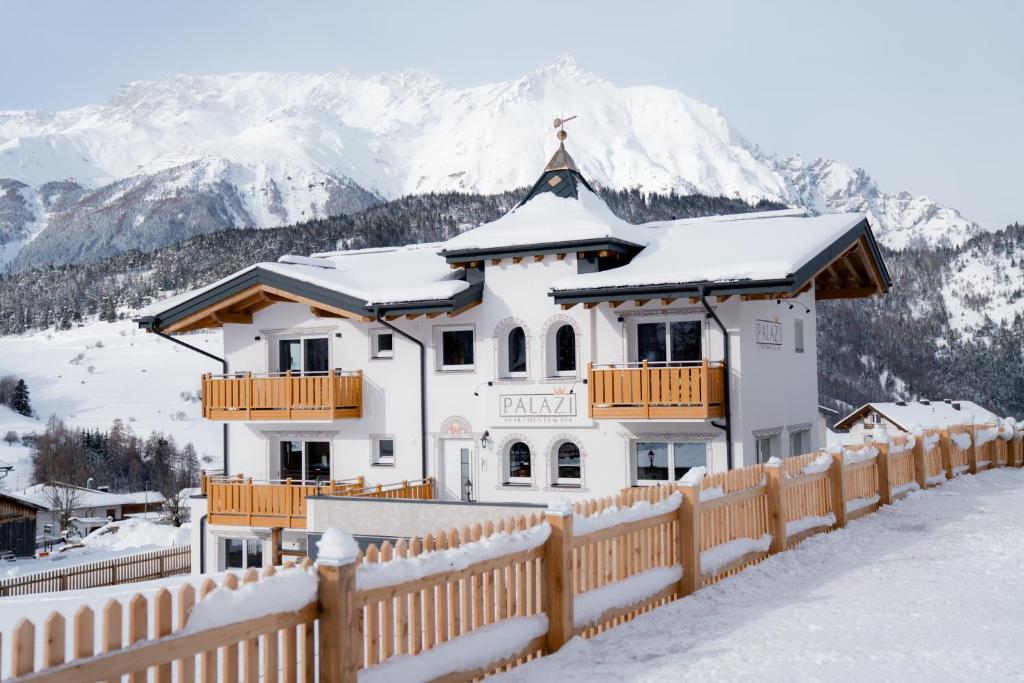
(154, 564)
(461, 604)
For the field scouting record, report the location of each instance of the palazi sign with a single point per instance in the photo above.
(555, 407)
(768, 333)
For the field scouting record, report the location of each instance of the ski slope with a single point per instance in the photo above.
(927, 589)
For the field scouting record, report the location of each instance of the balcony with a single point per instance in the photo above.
(330, 395)
(235, 501)
(647, 391)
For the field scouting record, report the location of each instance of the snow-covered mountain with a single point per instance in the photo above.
(190, 154)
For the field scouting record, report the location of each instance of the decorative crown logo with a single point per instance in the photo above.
(560, 391)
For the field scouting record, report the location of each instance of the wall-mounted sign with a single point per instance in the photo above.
(554, 407)
(768, 333)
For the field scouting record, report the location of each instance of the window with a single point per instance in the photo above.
(657, 461)
(243, 553)
(519, 463)
(457, 349)
(305, 460)
(678, 341)
(515, 352)
(568, 465)
(767, 447)
(565, 350)
(382, 344)
(303, 355)
(798, 335)
(384, 450)
(800, 442)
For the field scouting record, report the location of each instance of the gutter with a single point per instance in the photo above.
(423, 388)
(725, 385)
(148, 325)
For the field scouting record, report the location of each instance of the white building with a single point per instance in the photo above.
(880, 421)
(557, 351)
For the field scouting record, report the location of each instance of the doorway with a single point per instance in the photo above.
(457, 470)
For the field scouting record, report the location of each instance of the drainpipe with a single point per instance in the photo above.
(224, 368)
(423, 388)
(728, 368)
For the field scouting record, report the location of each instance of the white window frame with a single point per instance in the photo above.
(806, 432)
(518, 481)
(439, 344)
(302, 339)
(566, 482)
(671, 448)
(375, 352)
(634, 340)
(552, 351)
(799, 344)
(245, 555)
(503, 349)
(375, 457)
(305, 456)
(775, 443)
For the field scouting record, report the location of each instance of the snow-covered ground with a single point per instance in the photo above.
(926, 589)
(91, 375)
(124, 537)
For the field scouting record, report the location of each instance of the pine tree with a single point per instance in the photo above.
(19, 399)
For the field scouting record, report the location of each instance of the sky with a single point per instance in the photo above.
(926, 96)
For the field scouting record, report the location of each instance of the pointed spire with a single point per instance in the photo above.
(561, 161)
(560, 177)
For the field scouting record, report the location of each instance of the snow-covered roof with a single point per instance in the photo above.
(377, 276)
(549, 219)
(930, 415)
(757, 246)
(88, 498)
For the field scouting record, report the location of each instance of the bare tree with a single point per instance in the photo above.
(63, 500)
(11, 437)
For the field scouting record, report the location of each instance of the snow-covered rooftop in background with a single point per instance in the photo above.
(88, 498)
(548, 219)
(933, 415)
(755, 246)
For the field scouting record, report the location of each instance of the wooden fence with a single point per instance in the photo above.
(572, 571)
(154, 564)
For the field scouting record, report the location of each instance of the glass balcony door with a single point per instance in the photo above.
(668, 342)
(303, 355)
(305, 460)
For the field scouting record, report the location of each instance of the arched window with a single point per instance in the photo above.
(519, 462)
(516, 352)
(569, 464)
(565, 350)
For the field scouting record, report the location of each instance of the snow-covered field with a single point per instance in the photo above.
(90, 375)
(926, 589)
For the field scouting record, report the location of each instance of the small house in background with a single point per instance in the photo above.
(17, 525)
(878, 421)
(92, 507)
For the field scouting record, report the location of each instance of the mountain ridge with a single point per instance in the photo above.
(207, 152)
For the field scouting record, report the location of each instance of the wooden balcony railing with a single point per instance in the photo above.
(327, 395)
(655, 391)
(235, 501)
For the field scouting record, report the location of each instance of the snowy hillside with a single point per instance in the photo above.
(92, 375)
(190, 154)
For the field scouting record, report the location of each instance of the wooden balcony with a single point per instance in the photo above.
(647, 391)
(330, 395)
(235, 501)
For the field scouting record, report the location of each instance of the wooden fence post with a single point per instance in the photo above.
(884, 485)
(945, 453)
(688, 541)
(835, 476)
(776, 507)
(972, 452)
(558, 578)
(920, 465)
(339, 625)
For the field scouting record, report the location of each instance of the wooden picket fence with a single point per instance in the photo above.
(676, 533)
(153, 564)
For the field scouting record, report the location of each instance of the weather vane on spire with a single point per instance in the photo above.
(560, 125)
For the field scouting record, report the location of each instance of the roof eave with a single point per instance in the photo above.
(611, 244)
(672, 291)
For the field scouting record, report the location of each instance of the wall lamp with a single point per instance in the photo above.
(794, 302)
(476, 392)
(485, 439)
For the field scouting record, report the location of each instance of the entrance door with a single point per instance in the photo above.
(457, 470)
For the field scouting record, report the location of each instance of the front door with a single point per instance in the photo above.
(457, 470)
